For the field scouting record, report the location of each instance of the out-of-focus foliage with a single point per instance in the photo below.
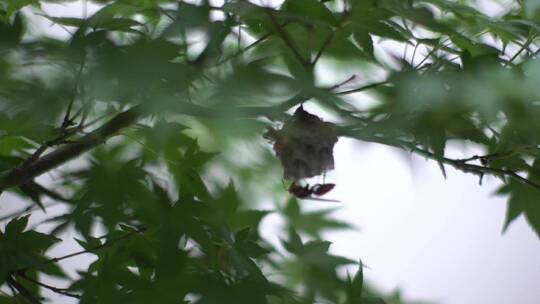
(171, 206)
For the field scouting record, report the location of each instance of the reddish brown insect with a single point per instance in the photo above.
(322, 189)
(306, 191)
(299, 191)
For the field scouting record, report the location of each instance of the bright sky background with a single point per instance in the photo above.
(435, 239)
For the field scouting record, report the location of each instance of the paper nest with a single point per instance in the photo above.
(304, 145)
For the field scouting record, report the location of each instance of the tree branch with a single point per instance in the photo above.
(23, 174)
(29, 170)
(484, 158)
(66, 133)
(458, 164)
(476, 169)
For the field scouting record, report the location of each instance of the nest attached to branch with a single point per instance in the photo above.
(304, 145)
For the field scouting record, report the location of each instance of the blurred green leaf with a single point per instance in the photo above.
(20, 249)
(312, 9)
(523, 200)
(355, 286)
(17, 225)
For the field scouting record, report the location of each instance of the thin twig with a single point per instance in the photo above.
(484, 157)
(13, 291)
(61, 291)
(239, 41)
(497, 155)
(331, 36)
(50, 143)
(67, 122)
(166, 13)
(247, 48)
(154, 152)
(19, 212)
(23, 291)
(525, 46)
(338, 85)
(240, 52)
(94, 121)
(82, 110)
(104, 245)
(476, 169)
(414, 53)
(456, 163)
(497, 134)
(287, 39)
(61, 139)
(432, 51)
(323, 47)
(39, 151)
(360, 89)
(291, 102)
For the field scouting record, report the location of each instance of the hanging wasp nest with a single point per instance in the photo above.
(304, 145)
